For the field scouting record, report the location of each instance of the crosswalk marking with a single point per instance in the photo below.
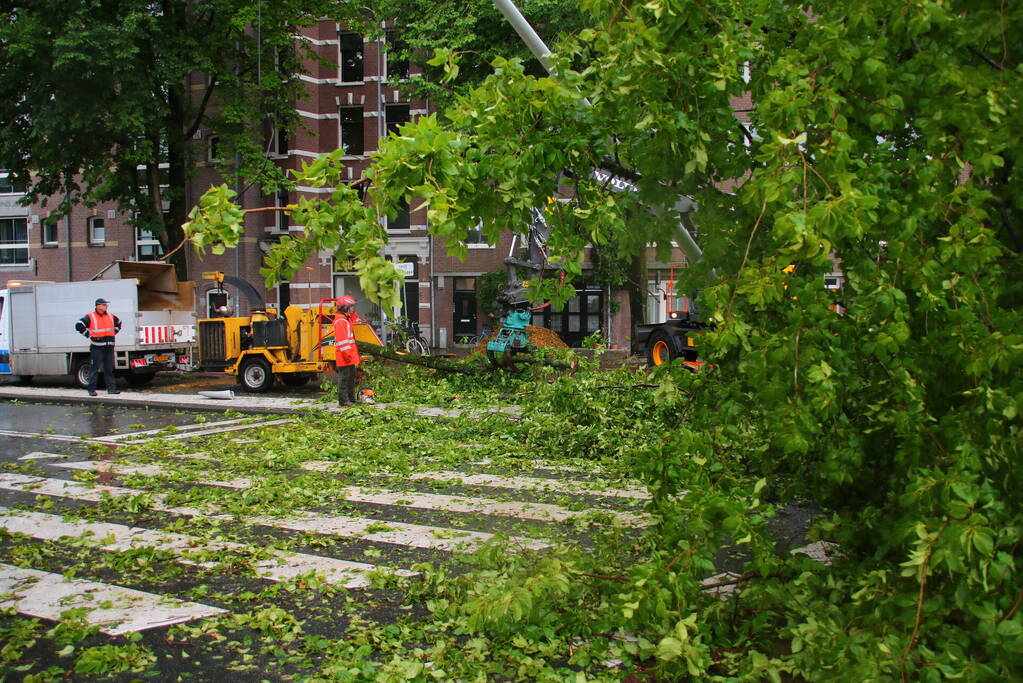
(42, 455)
(532, 483)
(114, 609)
(120, 538)
(545, 512)
(51, 437)
(484, 506)
(207, 432)
(400, 533)
(143, 470)
(525, 483)
(179, 428)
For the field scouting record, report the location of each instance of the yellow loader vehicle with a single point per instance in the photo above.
(266, 346)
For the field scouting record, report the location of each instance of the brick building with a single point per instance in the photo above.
(349, 103)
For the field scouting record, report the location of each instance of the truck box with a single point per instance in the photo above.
(157, 313)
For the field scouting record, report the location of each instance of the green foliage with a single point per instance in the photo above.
(97, 103)
(881, 135)
(104, 660)
(476, 33)
(488, 287)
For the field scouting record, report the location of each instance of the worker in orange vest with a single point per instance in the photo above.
(100, 326)
(346, 353)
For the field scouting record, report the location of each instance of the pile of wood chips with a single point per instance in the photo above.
(538, 336)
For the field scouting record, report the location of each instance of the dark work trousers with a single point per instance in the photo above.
(102, 359)
(345, 385)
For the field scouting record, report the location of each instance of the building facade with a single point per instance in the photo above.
(353, 98)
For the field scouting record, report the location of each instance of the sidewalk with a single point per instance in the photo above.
(241, 403)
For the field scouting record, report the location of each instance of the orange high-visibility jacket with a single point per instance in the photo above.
(100, 329)
(345, 351)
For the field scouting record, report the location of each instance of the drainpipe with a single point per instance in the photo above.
(67, 220)
(433, 296)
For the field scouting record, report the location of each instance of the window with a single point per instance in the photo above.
(351, 57)
(281, 200)
(147, 247)
(8, 185)
(50, 226)
(402, 221)
(13, 241)
(218, 303)
(214, 150)
(352, 135)
(281, 141)
(397, 65)
(396, 115)
(475, 235)
(97, 231)
(283, 296)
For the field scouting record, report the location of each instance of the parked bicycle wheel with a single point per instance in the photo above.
(416, 346)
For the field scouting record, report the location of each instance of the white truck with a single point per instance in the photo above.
(157, 313)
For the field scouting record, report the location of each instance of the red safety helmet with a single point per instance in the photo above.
(346, 300)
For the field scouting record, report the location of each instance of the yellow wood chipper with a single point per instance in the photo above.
(266, 346)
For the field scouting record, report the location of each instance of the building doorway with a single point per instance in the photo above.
(464, 324)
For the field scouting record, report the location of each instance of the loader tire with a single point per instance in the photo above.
(255, 376)
(662, 348)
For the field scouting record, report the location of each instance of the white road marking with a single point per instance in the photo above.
(484, 506)
(821, 551)
(221, 430)
(42, 455)
(533, 484)
(143, 470)
(180, 428)
(114, 609)
(545, 512)
(51, 437)
(120, 538)
(537, 484)
(398, 533)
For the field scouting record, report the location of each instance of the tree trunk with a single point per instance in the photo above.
(177, 158)
(637, 289)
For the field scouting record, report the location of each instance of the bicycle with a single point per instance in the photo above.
(407, 335)
(475, 339)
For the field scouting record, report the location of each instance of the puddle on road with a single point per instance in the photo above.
(93, 420)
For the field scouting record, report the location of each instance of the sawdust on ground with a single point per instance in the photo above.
(538, 336)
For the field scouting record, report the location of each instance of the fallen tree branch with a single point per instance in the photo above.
(433, 362)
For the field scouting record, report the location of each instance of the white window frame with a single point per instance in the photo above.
(47, 225)
(92, 225)
(145, 238)
(17, 245)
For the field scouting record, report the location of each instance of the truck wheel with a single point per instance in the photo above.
(661, 348)
(296, 379)
(80, 371)
(256, 376)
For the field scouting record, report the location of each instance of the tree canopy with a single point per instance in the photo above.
(882, 136)
(96, 103)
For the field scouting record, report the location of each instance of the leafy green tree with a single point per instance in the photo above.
(883, 135)
(96, 98)
(477, 32)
